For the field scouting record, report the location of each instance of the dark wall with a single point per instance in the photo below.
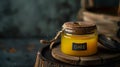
(39, 18)
(32, 18)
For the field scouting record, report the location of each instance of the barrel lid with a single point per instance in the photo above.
(79, 27)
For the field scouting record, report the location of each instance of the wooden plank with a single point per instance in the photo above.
(106, 24)
(103, 56)
(57, 54)
(37, 59)
(90, 60)
(109, 57)
(101, 16)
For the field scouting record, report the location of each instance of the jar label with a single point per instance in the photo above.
(79, 46)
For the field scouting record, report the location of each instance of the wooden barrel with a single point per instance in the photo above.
(49, 58)
(106, 19)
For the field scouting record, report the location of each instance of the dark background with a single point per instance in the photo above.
(24, 22)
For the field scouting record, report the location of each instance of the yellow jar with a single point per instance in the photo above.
(79, 38)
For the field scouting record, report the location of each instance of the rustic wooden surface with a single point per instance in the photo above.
(106, 24)
(106, 19)
(109, 59)
(101, 57)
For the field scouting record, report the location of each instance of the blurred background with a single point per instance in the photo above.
(24, 22)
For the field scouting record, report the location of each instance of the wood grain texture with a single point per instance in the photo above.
(101, 57)
(45, 59)
(56, 53)
(106, 24)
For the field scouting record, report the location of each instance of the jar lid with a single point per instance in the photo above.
(79, 27)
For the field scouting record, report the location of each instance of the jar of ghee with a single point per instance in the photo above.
(79, 38)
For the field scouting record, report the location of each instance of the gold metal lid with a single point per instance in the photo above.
(79, 27)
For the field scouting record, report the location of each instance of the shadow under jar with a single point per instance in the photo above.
(79, 38)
